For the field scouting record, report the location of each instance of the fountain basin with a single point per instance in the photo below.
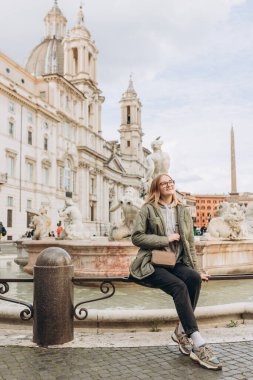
(93, 258)
(225, 256)
(102, 258)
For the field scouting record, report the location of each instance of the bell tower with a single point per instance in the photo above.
(130, 129)
(80, 54)
(80, 60)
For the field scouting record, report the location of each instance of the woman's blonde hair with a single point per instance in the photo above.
(154, 193)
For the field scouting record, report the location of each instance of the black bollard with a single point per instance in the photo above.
(53, 298)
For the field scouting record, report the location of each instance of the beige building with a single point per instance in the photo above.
(51, 134)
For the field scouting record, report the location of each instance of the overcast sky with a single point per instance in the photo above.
(192, 65)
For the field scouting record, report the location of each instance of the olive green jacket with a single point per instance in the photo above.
(149, 233)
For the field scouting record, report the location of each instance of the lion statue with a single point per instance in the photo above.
(230, 224)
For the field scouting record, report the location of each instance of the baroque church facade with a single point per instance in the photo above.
(51, 134)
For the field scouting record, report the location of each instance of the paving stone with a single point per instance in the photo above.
(138, 363)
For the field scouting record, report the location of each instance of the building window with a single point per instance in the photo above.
(29, 204)
(10, 166)
(74, 108)
(67, 176)
(30, 137)
(45, 143)
(29, 117)
(61, 178)
(203, 201)
(45, 175)
(11, 128)
(128, 143)
(10, 201)
(67, 103)
(92, 211)
(128, 115)
(208, 201)
(11, 107)
(43, 95)
(92, 185)
(29, 171)
(9, 218)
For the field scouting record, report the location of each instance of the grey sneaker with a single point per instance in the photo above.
(185, 344)
(204, 356)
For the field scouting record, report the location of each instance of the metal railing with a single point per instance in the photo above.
(53, 310)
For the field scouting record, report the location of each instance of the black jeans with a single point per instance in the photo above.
(183, 284)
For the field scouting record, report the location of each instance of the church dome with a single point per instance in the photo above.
(46, 58)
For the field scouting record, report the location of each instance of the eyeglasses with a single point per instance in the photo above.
(169, 183)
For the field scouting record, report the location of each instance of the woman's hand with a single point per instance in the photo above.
(204, 277)
(174, 237)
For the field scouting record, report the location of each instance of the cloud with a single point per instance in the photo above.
(192, 63)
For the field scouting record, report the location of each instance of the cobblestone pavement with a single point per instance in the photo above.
(33, 363)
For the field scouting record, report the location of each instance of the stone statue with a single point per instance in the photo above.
(230, 224)
(157, 162)
(249, 219)
(73, 226)
(130, 204)
(40, 224)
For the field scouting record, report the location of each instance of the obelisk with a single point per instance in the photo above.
(233, 164)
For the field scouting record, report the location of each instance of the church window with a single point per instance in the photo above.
(128, 115)
(75, 60)
(45, 175)
(29, 117)
(11, 128)
(67, 103)
(128, 143)
(10, 201)
(30, 137)
(43, 95)
(92, 211)
(74, 107)
(11, 107)
(67, 176)
(10, 160)
(9, 218)
(92, 185)
(45, 143)
(61, 98)
(29, 171)
(61, 178)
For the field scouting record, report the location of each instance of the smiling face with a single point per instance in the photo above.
(167, 186)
